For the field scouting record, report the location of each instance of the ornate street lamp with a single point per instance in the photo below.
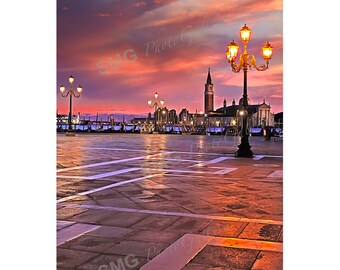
(70, 93)
(246, 60)
(157, 104)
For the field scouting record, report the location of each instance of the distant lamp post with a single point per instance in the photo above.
(72, 93)
(156, 104)
(246, 60)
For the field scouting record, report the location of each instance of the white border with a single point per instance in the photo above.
(311, 94)
(28, 140)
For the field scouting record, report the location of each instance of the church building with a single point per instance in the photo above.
(228, 116)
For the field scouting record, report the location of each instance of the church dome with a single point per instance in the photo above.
(241, 101)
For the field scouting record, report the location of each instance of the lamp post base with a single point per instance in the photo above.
(244, 153)
(244, 149)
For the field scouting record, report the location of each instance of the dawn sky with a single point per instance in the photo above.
(122, 52)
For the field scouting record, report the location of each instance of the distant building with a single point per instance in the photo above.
(228, 116)
(143, 120)
(278, 119)
(173, 119)
(162, 116)
(184, 117)
(209, 95)
(260, 115)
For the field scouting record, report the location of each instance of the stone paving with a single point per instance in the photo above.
(133, 201)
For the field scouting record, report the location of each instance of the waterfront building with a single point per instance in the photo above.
(278, 119)
(173, 119)
(162, 116)
(184, 117)
(228, 116)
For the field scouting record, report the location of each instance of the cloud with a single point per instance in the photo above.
(180, 12)
(140, 4)
(276, 96)
(103, 14)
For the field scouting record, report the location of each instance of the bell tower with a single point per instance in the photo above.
(209, 95)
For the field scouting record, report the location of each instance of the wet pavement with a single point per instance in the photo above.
(134, 201)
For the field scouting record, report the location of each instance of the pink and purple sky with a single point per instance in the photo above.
(122, 52)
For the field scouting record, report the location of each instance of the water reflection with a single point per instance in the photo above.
(70, 151)
(70, 154)
(154, 145)
(155, 142)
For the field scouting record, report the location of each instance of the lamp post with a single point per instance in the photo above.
(70, 93)
(246, 61)
(157, 104)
